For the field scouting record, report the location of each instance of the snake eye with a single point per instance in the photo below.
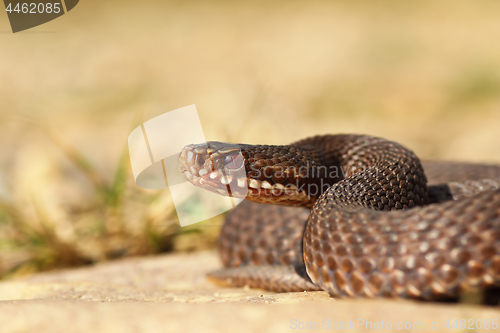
(233, 162)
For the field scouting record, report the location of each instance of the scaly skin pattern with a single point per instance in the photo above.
(423, 253)
(375, 228)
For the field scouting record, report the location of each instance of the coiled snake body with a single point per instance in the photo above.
(371, 227)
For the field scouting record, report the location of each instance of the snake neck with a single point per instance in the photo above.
(349, 168)
(379, 174)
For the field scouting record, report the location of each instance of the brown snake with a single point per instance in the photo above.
(372, 227)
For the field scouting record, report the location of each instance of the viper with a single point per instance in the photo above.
(354, 215)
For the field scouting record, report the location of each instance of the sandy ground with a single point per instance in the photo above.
(169, 293)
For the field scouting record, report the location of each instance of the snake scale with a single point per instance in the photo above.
(362, 220)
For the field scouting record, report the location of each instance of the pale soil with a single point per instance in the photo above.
(170, 293)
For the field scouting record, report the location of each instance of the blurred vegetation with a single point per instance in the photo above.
(114, 219)
(423, 73)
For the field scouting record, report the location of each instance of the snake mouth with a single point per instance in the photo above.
(225, 169)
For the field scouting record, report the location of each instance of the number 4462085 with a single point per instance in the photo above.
(472, 324)
(33, 8)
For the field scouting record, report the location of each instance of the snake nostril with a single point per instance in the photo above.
(199, 160)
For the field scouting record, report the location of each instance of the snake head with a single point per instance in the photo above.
(215, 166)
(259, 173)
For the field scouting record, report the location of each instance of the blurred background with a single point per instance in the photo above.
(423, 73)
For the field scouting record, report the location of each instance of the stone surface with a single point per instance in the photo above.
(169, 293)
